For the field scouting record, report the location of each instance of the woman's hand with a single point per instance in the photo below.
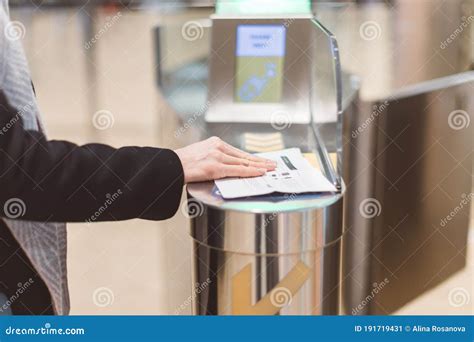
(213, 159)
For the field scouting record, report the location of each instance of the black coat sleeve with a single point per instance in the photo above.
(58, 181)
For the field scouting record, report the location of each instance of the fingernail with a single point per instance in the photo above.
(262, 170)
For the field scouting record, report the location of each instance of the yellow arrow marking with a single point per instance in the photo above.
(242, 291)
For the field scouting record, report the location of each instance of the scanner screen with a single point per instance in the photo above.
(260, 56)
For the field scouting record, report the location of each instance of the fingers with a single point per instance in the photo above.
(242, 171)
(230, 160)
(236, 163)
(235, 152)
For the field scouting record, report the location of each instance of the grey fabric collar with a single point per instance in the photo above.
(15, 79)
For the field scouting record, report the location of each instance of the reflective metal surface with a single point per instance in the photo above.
(420, 146)
(277, 263)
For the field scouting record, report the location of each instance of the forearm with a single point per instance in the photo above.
(62, 182)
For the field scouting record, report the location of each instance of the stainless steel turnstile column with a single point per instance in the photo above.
(263, 257)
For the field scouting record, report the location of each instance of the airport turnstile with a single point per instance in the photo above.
(275, 254)
(278, 255)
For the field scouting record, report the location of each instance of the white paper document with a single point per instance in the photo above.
(293, 174)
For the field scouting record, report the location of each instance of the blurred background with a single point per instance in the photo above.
(134, 63)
